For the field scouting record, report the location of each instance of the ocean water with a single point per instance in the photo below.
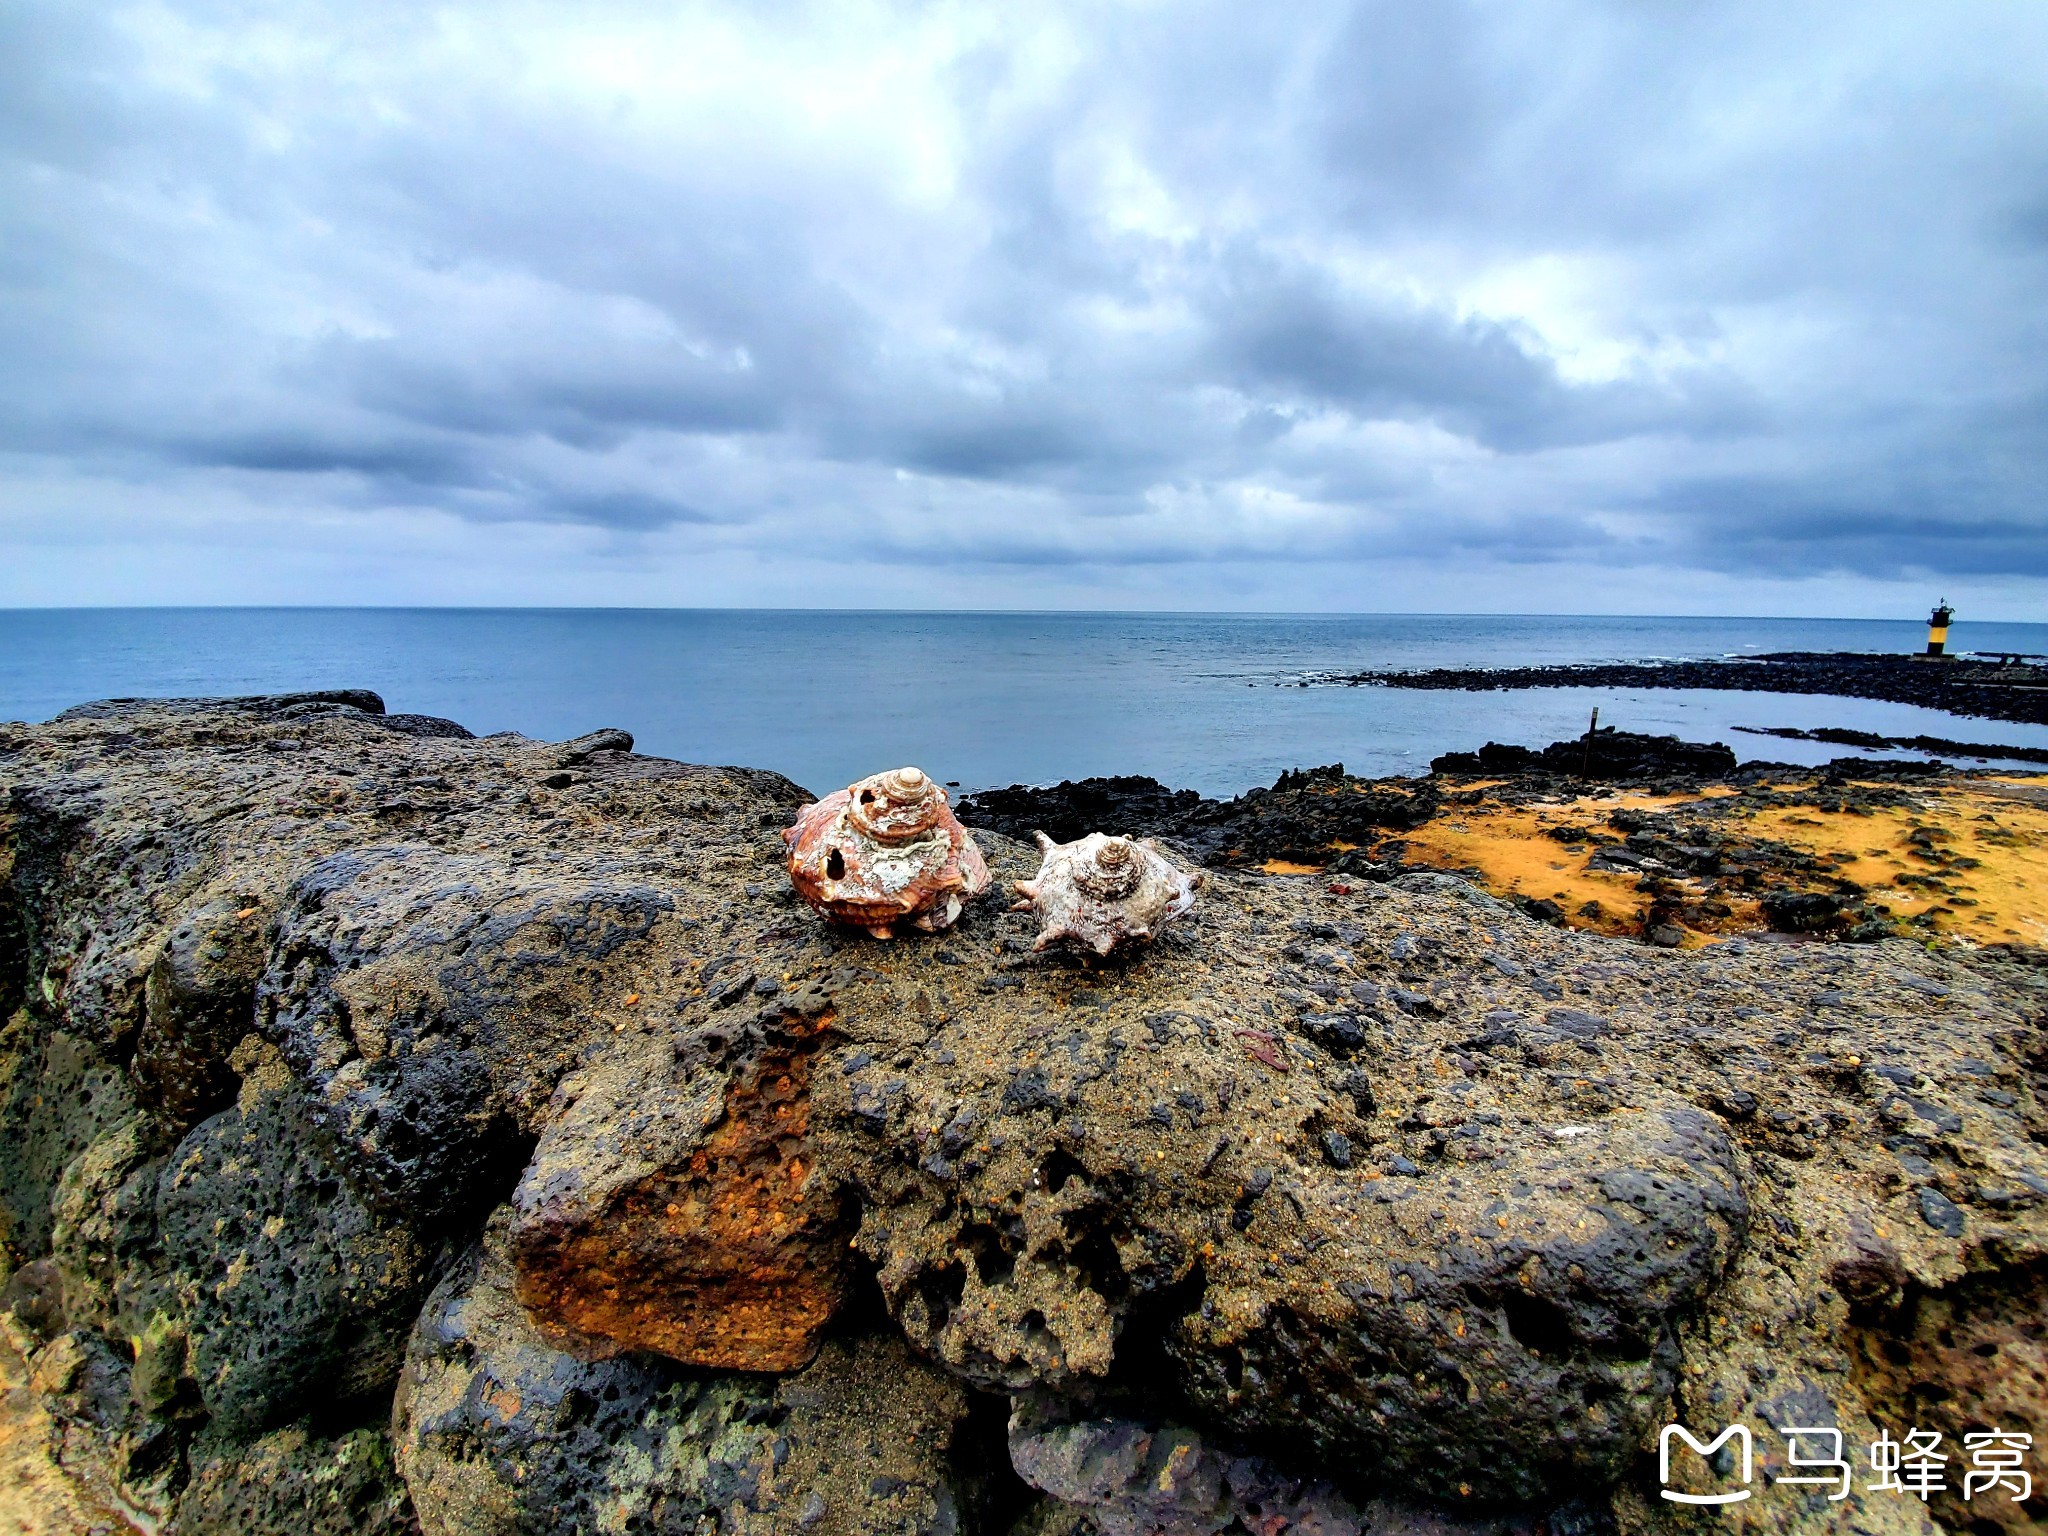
(1200, 701)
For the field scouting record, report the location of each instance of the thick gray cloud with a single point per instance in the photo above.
(1563, 305)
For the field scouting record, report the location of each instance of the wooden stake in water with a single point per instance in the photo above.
(1586, 758)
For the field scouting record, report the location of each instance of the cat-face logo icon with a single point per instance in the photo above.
(1737, 1432)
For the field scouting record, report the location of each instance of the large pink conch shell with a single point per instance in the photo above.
(885, 852)
(1104, 893)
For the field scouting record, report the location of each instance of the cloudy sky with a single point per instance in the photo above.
(1630, 307)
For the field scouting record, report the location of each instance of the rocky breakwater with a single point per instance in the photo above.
(1985, 689)
(401, 1130)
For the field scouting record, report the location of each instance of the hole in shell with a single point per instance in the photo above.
(835, 865)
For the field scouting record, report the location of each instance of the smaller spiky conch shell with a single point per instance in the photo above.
(1104, 893)
(884, 853)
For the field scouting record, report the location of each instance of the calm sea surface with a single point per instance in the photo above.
(1199, 701)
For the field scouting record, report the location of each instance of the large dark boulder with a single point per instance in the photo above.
(430, 1002)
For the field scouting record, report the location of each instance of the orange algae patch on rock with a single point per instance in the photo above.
(1510, 849)
(1969, 860)
(677, 1210)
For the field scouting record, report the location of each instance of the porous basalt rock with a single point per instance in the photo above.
(1971, 1355)
(268, 707)
(1533, 1322)
(1142, 1192)
(58, 1094)
(1382, 1186)
(291, 1290)
(295, 1481)
(1138, 1479)
(198, 1001)
(498, 1431)
(674, 1204)
(430, 1001)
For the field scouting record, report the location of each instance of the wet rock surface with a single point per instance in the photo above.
(1349, 1204)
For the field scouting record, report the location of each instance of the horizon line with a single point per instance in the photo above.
(1135, 613)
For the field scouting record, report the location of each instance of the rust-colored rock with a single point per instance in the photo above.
(674, 1207)
(885, 852)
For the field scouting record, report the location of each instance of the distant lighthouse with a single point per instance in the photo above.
(1937, 628)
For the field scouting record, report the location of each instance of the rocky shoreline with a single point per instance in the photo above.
(404, 1131)
(1958, 685)
(1646, 836)
(1936, 746)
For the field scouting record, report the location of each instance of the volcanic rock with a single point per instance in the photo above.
(674, 1203)
(289, 1288)
(1958, 685)
(1138, 1479)
(1300, 818)
(498, 1431)
(1607, 753)
(1373, 1196)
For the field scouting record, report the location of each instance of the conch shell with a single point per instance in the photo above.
(885, 852)
(1102, 893)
